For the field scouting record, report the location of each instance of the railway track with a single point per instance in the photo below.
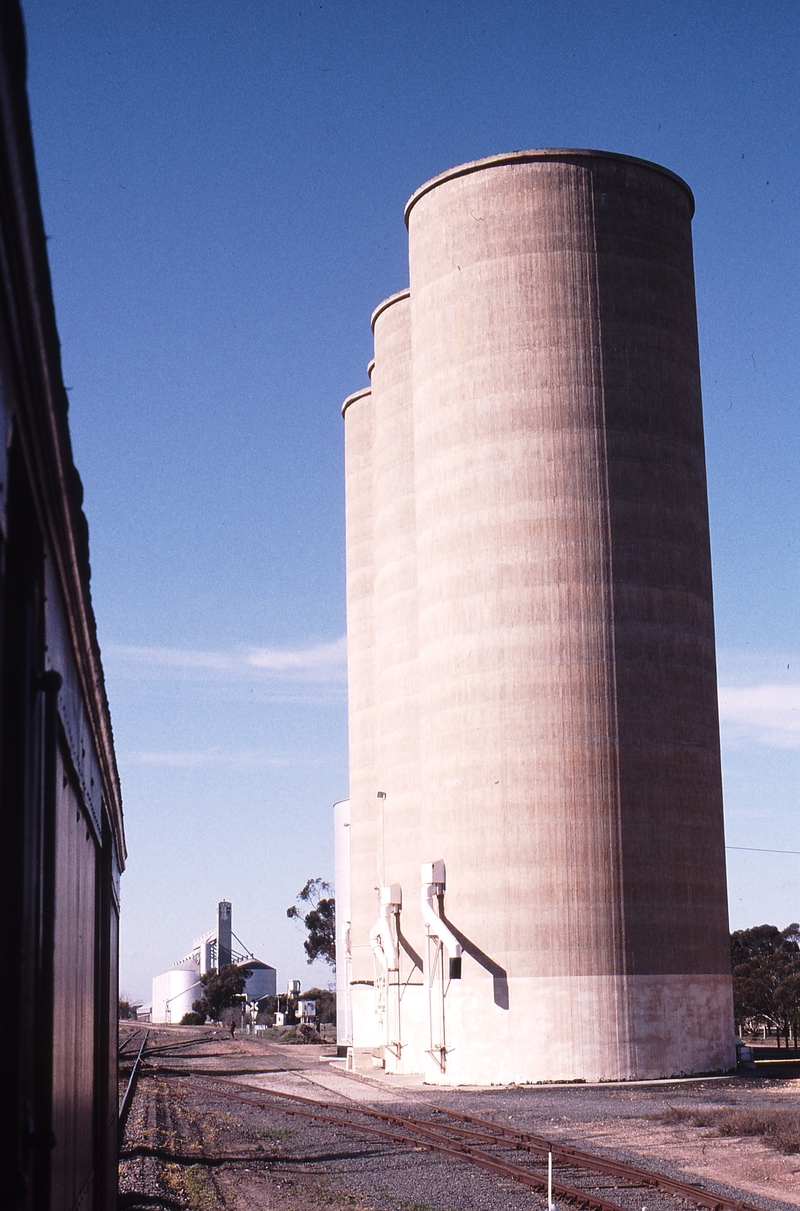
(130, 1088)
(512, 1156)
(470, 1144)
(129, 1044)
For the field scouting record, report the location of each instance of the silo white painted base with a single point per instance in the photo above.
(581, 1028)
(399, 1040)
(411, 1009)
(592, 1028)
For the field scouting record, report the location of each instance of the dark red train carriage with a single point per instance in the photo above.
(61, 837)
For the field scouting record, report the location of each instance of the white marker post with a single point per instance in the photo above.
(550, 1204)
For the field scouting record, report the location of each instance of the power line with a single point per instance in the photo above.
(751, 850)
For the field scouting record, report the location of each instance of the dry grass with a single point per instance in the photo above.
(777, 1126)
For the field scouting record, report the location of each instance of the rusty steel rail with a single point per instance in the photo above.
(130, 1089)
(453, 1141)
(601, 1164)
(159, 1048)
(126, 1042)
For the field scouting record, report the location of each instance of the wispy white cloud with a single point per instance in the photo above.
(322, 662)
(767, 714)
(321, 658)
(170, 658)
(197, 758)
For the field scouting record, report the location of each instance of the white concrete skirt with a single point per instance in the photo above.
(590, 1028)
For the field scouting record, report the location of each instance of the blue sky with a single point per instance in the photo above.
(223, 186)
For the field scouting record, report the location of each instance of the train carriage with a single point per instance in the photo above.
(63, 845)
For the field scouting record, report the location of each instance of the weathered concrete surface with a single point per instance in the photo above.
(359, 430)
(396, 715)
(395, 582)
(568, 737)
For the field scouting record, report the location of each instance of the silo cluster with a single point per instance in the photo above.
(537, 877)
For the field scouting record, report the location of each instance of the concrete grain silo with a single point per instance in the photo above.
(389, 1002)
(395, 593)
(559, 707)
(359, 429)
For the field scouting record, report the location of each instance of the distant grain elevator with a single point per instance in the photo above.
(537, 877)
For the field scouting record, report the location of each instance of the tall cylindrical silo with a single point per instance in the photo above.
(395, 570)
(569, 764)
(359, 523)
(396, 717)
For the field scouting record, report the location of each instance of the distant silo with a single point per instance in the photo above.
(224, 934)
(175, 991)
(564, 684)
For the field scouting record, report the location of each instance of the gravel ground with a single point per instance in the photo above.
(185, 1147)
(241, 1156)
